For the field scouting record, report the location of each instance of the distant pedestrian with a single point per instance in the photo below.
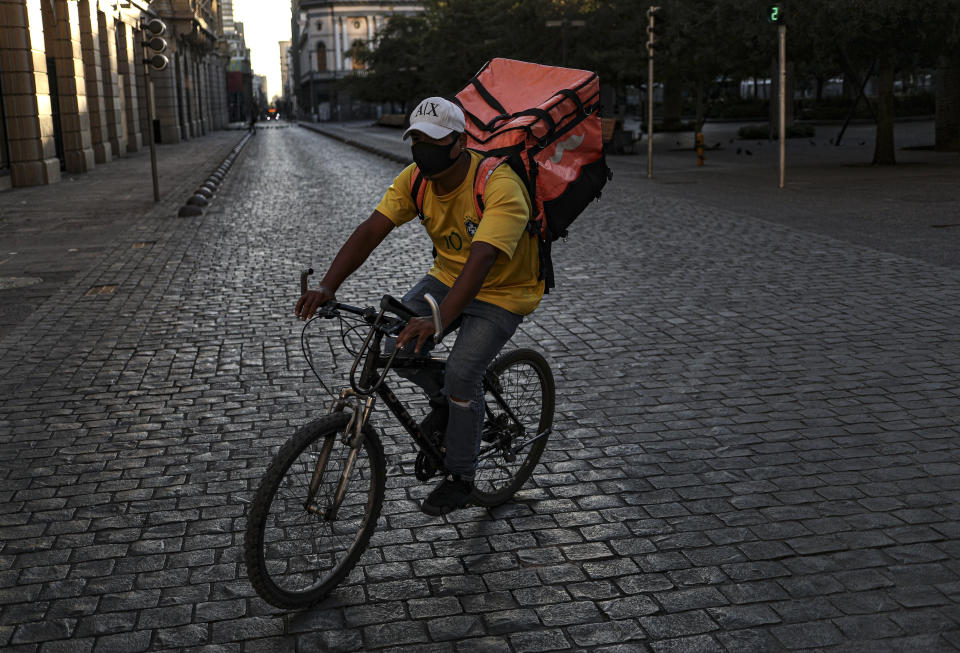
(253, 123)
(484, 274)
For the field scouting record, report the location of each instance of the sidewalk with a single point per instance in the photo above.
(910, 209)
(52, 233)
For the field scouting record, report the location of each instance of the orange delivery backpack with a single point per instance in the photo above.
(544, 122)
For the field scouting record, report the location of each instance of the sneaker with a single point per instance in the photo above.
(452, 493)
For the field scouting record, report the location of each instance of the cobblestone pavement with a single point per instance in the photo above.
(756, 443)
(49, 234)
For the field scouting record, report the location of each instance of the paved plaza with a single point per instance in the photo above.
(757, 437)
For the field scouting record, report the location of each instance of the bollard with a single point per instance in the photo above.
(189, 211)
(699, 148)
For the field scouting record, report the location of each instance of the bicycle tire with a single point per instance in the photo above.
(527, 386)
(297, 563)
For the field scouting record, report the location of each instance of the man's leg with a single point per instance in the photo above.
(485, 329)
(429, 380)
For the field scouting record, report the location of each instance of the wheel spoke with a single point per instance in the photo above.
(525, 385)
(295, 555)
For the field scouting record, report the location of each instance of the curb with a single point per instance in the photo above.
(204, 193)
(355, 143)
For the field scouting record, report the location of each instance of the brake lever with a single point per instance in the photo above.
(328, 310)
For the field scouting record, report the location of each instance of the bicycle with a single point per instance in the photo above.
(317, 504)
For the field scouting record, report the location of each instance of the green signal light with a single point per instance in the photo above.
(775, 14)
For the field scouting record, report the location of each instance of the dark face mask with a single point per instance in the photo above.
(433, 159)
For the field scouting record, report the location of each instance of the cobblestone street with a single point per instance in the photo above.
(756, 444)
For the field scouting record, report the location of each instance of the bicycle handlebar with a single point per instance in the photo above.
(387, 304)
(303, 280)
(380, 325)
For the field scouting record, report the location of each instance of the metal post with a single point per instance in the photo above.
(153, 146)
(150, 112)
(782, 93)
(650, 42)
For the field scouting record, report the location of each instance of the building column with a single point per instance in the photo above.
(212, 61)
(221, 81)
(337, 59)
(62, 25)
(212, 93)
(165, 100)
(112, 93)
(193, 103)
(127, 71)
(29, 115)
(142, 79)
(181, 95)
(92, 62)
(202, 99)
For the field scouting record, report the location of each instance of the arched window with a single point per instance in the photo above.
(321, 57)
(357, 48)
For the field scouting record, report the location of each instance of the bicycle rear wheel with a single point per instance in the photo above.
(296, 556)
(512, 447)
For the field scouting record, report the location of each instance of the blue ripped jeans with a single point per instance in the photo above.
(483, 331)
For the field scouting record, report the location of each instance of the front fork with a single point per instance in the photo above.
(353, 437)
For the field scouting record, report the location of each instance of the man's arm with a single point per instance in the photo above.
(465, 288)
(364, 239)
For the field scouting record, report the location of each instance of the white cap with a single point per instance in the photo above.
(437, 118)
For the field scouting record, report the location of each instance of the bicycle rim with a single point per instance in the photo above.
(296, 557)
(526, 385)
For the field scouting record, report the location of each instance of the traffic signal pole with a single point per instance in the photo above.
(153, 145)
(150, 39)
(782, 93)
(650, 43)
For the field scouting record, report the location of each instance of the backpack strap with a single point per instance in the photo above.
(536, 229)
(483, 173)
(417, 190)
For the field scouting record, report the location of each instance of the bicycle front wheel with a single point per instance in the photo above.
(517, 425)
(296, 550)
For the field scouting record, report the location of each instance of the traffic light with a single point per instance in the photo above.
(776, 14)
(155, 43)
(652, 31)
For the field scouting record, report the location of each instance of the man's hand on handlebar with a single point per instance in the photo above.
(311, 300)
(419, 329)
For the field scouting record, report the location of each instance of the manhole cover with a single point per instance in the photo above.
(6, 283)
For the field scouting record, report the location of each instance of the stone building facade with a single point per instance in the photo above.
(73, 91)
(323, 36)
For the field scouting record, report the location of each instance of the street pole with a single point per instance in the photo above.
(782, 93)
(150, 31)
(153, 146)
(650, 42)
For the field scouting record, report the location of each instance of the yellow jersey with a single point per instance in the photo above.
(452, 223)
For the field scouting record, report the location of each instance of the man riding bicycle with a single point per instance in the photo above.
(484, 276)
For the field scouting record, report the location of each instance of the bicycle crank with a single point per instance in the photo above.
(424, 468)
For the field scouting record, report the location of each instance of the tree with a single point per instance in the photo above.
(885, 35)
(395, 65)
(948, 86)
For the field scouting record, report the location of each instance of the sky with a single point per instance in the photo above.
(265, 23)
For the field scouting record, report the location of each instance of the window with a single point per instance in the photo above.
(357, 49)
(321, 57)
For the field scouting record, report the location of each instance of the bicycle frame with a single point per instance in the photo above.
(360, 400)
